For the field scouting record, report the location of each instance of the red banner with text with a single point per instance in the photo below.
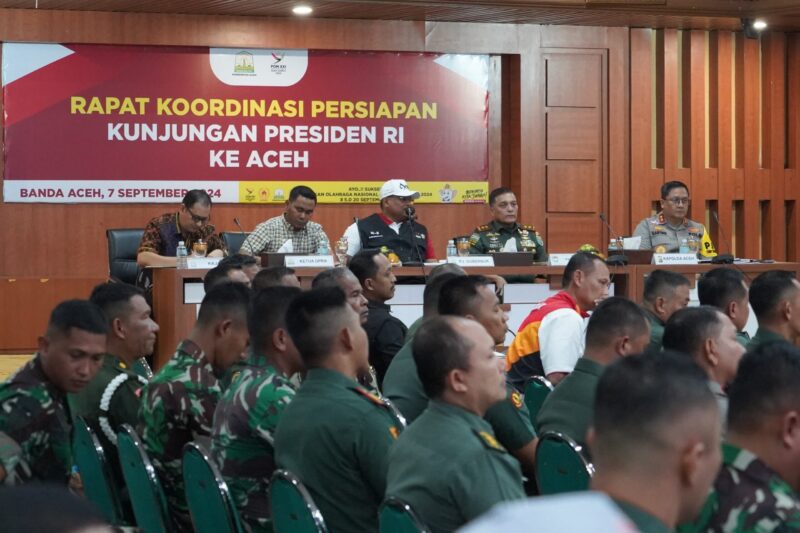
(91, 123)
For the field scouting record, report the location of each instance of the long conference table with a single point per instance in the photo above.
(177, 293)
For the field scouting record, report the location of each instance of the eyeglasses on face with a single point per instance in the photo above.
(197, 219)
(677, 200)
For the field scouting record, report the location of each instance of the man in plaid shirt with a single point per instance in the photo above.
(293, 225)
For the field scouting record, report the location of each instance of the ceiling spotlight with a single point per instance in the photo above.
(302, 10)
(752, 28)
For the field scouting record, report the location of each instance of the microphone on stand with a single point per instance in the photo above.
(411, 216)
(243, 232)
(618, 259)
(722, 259)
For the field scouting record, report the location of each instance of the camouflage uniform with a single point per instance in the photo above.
(35, 427)
(242, 437)
(178, 407)
(492, 237)
(747, 497)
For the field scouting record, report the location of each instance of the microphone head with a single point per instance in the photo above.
(236, 221)
(715, 215)
(603, 217)
(410, 211)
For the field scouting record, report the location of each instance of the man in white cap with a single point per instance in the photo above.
(391, 227)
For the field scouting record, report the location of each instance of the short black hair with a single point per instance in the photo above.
(688, 328)
(661, 283)
(196, 196)
(330, 277)
(583, 261)
(639, 399)
(668, 186)
(314, 319)
(438, 349)
(268, 313)
(363, 264)
(721, 286)
(613, 318)
(767, 382)
(225, 299)
(114, 298)
(305, 192)
(238, 260)
(218, 274)
(459, 295)
(498, 192)
(79, 314)
(271, 277)
(768, 290)
(433, 291)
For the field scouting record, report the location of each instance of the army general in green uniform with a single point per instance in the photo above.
(448, 465)
(493, 236)
(335, 435)
(35, 421)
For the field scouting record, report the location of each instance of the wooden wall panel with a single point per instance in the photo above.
(573, 187)
(573, 134)
(730, 131)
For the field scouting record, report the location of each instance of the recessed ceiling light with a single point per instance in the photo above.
(302, 10)
(759, 25)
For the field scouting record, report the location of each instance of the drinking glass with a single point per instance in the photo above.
(341, 251)
(462, 246)
(200, 248)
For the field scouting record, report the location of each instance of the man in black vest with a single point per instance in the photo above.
(391, 228)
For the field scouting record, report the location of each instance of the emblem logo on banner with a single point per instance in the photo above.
(243, 64)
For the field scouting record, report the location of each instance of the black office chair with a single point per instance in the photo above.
(123, 243)
(233, 240)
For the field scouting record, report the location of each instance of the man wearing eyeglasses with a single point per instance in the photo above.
(190, 224)
(664, 232)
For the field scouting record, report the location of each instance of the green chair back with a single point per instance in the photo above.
(96, 473)
(147, 496)
(210, 502)
(561, 465)
(397, 516)
(293, 510)
(536, 390)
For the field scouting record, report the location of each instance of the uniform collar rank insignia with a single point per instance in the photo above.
(516, 399)
(122, 365)
(395, 433)
(489, 440)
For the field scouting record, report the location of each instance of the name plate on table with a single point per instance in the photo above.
(472, 260)
(674, 259)
(202, 262)
(559, 260)
(309, 261)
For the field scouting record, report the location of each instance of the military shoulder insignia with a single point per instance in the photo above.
(235, 376)
(528, 227)
(394, 432)
(693, 230)
(369, 396)
(489, 441)
(482, 228)
(516, 399)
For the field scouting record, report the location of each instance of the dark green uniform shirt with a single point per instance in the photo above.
(243, 434)
(492, 237)
(743, 337)
(656, 332)
(644, 521)
(763, 336)
(335, 436)
(568, 409)
(747, 496)
(450, 468)
(510, 419)
(35, 427)
(122, 388)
